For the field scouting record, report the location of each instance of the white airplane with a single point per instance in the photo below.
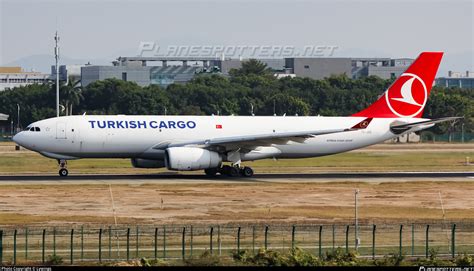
(205, 142)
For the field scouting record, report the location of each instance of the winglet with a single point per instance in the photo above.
(400, 128)
(362, 125)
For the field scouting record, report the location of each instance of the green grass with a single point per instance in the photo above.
(372, 161)
(422, 160)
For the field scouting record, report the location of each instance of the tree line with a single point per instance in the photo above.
(249, 90)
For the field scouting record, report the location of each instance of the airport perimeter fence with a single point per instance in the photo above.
(111, 244)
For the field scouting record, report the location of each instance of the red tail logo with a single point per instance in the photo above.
(407, 96)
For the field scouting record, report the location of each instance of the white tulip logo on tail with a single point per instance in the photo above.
(407, 98)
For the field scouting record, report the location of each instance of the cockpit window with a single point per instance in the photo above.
(33, 129)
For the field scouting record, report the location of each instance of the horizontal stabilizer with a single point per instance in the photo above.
(400, 128)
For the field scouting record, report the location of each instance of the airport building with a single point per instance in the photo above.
(385, 68)
(164, 71)
(11, 77)
(318, 68)
(67, 71)
(5, 126)
(457, 79)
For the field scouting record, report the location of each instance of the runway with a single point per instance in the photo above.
(281, 177)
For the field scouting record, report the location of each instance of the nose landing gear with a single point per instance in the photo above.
(63, 172)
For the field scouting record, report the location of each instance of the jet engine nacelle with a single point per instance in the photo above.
(185, 158)
(147, 163)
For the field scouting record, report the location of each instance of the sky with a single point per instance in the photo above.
(100, 31)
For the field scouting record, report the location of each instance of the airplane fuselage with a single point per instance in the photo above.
(121, 136)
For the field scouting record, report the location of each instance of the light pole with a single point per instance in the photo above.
(18, 118)
(56, 56)
(357, 240)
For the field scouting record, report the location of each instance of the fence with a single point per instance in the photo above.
(458, 137)
(106, 244)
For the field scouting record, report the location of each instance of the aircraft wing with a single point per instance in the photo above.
(400, 128)
(251, 141)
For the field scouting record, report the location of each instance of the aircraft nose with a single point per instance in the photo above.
(18, 138)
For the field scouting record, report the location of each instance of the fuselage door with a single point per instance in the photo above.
(61, 130)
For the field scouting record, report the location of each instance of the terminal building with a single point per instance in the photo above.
(11, 77)
(164, 71)
(457, 79)
(5, 125)
(68, 71)
(318, 68)
(385, 68)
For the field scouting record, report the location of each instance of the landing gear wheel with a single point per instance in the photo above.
(225, 170)
(234, 172)
(247, 172)
(63, 172)
(211, 172)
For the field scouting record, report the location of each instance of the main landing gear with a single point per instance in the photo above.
(230, 171)
(63, 172)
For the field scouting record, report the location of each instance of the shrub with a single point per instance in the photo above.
(267, 258)
(299, 257)
(433, 259)
(340, 258)
(295, 257)
(464, 260)
(205, 259)
(390, 260)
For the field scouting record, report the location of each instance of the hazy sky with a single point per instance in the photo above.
(107, 29)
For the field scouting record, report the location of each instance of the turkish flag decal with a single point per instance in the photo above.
(218, 126)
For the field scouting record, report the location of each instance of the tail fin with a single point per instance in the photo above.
(407, 96)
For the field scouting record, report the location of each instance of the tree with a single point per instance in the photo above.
(251, 66)
(450, 102)
(285, 104)
(250, 87)
(71, 94)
